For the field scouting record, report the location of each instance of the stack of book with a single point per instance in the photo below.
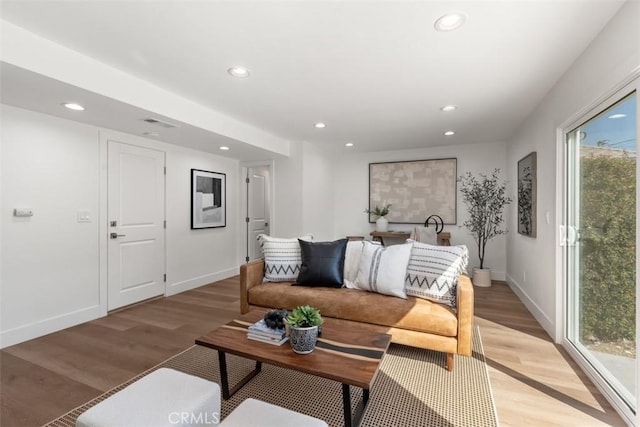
(259, 331)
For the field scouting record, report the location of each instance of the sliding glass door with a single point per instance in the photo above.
(601, 180)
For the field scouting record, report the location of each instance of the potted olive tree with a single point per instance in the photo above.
(303, 324)
(485, 198)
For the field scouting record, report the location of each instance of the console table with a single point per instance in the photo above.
(444, 238)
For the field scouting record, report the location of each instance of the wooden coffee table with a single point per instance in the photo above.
(344, 353)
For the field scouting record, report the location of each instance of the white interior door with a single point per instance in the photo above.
(257, 208)
(136, 262)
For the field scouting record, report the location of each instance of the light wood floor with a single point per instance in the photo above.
(534, 382)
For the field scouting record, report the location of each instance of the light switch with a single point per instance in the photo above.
(22, 212)
(84, 216)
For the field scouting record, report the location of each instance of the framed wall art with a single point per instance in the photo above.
(415, 189)
(208, 199)
(527, 193)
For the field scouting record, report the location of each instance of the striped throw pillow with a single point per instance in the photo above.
(433, 272)
(282, 257)
(382, 270)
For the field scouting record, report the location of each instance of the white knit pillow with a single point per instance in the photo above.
(383, 269)
(352, 262)
(282, 257)
(433, 272)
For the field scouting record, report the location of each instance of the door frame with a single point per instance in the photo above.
(244, 166)
(599, 104)
(104, 136)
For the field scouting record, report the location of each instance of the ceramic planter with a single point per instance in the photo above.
(482, 277)
(382, 224)
(303, 340)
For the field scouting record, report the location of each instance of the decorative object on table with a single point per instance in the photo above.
(382, 224)
(208, 199)
(275, 318)
(304, 322)
(527, 194)
(263, 330)
(412, 186)
(485, 198)
(433, 226)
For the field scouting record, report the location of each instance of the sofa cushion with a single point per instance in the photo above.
(282, 257)
(352, 261)
(383, 270)
(322, 263)
(433, 272)
(351, 304)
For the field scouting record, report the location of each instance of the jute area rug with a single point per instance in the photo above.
(412, 389)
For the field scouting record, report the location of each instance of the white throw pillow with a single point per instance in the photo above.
(383, 269)
(352, 262)
(433, 272)
(282, 257)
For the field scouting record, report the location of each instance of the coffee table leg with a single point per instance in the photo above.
(346, 404)
(224, 378)
(353, 420)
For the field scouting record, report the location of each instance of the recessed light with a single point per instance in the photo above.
(73, 106)
(349, 144)
(238, 72)
(617, 116)
(449, 133)
(151, 134)
(450, 22)
(224, 148)
(320, 125)
(447, 108)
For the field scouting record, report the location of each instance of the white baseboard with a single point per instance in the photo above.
(47, 326)
(497, 275)
(546, 323)
(196, 282)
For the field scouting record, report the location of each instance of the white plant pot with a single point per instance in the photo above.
(482, 277)
(382, 224)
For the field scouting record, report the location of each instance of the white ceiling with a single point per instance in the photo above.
(375, 72)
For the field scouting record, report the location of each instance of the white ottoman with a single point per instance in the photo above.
(164, 397)
(254, 412)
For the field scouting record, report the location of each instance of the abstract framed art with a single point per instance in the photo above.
(208, 199)
(527, 194)
(415, 189)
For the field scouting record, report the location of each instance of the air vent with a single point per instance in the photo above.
(160, 123)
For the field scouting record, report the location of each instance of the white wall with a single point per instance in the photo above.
(607, 61)
(49, 261)
(50, 267)
(317, 193)
(287, 194)
(351, 193)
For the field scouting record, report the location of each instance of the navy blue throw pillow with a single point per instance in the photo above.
(322, 263)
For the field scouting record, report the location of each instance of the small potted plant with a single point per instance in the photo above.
(382, 223)
(303, 324)
(486, 198)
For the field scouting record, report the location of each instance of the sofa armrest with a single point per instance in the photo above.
(251, 274)
(465, 304)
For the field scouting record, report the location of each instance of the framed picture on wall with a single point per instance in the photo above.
(208, 199)
(415, 189)
(527, 193)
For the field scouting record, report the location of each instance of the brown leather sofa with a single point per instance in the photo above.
(415, 322)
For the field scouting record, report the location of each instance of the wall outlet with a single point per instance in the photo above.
(84, 216)
(22, 212)
(524, 276)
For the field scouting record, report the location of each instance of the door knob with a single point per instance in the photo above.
(116, 235)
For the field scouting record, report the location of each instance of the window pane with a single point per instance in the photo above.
(604, 252)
